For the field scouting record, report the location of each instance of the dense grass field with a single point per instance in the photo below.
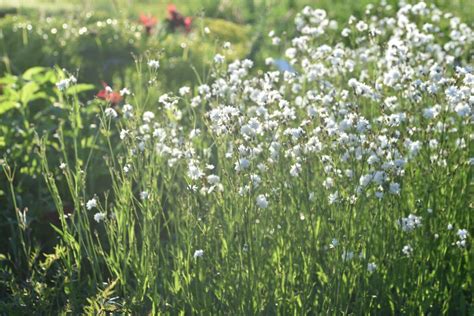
(236, 157)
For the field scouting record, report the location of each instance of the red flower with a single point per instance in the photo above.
(109, 95)
(187, 23)
(148, 21)
(176, 19)
(171, 11)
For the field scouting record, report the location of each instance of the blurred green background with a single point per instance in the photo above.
(238, 10)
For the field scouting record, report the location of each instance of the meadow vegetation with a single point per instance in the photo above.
(248, 157)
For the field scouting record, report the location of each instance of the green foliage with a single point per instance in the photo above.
(28, 105)
(32, 107)
(301, 255)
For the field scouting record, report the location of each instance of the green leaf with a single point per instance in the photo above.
(78, 88)
(8, 79)
(28, 92)
(323, 278)
(39, 95)
(9, 93)
(298, 300)
(30, 73)
(7, 106)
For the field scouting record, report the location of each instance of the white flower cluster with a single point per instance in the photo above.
(154, 64)
(410, 223)
(92, 203)
(66, 83)
(462, 234)
(353, 118)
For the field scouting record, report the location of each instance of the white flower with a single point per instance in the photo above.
(62, 166)
(194, 133)
(219, 59)
(66, 83)
(361, 26)
(394, 188)
(184, 90)
(430, 113)
(98, 217)
(452, 93)
(256, 179)
(291, 52)
(333, 197)
(196, 101)
(295, 170)
(410, 223)
(414, 147)
(213, 179)
(127, 111)
(166, 100)
(463, 233)
(127, 168)
(373, 159)
(371, 267)
(204, 89)
(91, 204)
(407, 250)
(124, 91)
(194, 172)
(72, 80)
(365, 180)
(144, 195)
(347, 255)
(110, 112)
(378, 177)
(462, 109)
(262, 201)
(154, 64)
(148, 116)
(124, 133)
(63, 84)
(242, 164)
(198, 253)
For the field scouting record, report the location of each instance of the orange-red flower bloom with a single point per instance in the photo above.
(176, 19)
(109, 95)
(171, 11)
(187, 23)
(148, 21)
